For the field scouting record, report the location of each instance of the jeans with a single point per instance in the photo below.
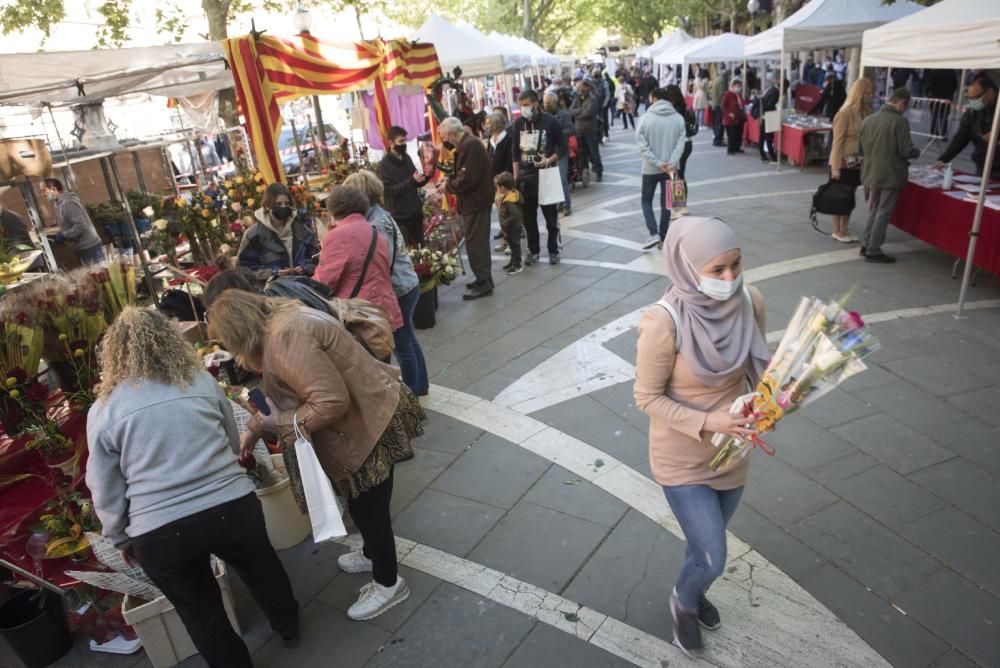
(529, 188)
(881, 203)
(717, 126)
(370, 512)
(590, 150)
(703, 514)
(564, 173)
(649, 183)
(92, 255)
(408, 352)
(476, 227)
(177, 558)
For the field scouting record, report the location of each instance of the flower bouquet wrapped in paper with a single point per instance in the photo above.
(822, 347)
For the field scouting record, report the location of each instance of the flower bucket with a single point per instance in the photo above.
(424, 316)
(33, 623)
(287, 526)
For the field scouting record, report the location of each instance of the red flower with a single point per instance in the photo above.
(214, 370)
(37, 392)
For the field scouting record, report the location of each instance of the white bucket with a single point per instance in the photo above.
(286, 525)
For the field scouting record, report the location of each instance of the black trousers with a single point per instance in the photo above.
(767, 147)
(177, 558)
(589, 142)
(717, 126)
(682, 166)
(412, 229)
(605, 117)
(370, 512)
(626, 118)
(734, 135)
(529, 188)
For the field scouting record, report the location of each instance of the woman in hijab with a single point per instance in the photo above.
(700, 347)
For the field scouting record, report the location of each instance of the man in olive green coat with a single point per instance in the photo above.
(719, 87)
(888, 149)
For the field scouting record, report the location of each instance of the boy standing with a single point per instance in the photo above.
(509, 208)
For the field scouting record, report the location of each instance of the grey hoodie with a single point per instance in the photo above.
(75, 223)
(660, 136)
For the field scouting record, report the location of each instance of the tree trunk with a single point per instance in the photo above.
(526, 25)
(217, 12)
(732, 22)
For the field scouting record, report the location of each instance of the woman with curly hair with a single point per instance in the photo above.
(358, 415)
(167, 486)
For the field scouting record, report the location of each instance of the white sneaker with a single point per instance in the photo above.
(651, 242)
(376, 599)
(500, 245)
(354, 562)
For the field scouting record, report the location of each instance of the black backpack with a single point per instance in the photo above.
(833, 198)
(690, 124)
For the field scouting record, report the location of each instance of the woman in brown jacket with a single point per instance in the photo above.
(845, 150)
(700, 347)
(359, 417)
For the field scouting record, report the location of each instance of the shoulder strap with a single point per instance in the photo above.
(364, 268)
(673, 316)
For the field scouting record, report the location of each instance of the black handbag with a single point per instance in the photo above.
(833, 198)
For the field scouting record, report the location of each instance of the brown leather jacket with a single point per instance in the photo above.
(344, 398)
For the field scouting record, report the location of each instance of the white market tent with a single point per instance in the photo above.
(828, 23)
(675, 55)
(535, 55)
(455, 48)
(953, 34)
(725, 48)
(665, 43)
(514, 57)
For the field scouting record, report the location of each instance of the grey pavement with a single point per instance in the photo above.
(881, 501)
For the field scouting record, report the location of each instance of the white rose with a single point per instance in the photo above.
(148, 211)
(237, 207)
(215, 222)
(224, 248)
(160, 224)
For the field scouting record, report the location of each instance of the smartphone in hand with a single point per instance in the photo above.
(259, 401)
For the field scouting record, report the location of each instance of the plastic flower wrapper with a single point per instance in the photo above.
(822, 347)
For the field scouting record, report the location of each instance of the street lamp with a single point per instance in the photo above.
(303, 22)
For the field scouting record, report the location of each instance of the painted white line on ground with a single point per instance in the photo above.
(604, 238)
(778, 622)
(588, 263)
(718, 200)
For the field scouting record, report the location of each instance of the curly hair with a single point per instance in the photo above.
(239, 319)
(142, 344)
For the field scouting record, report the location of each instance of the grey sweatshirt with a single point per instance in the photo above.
(660, 137)
(159, 453)
(74, 222)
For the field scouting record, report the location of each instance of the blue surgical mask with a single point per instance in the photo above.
(718, 289)
(976, 104)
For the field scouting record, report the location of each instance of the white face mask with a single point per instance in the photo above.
(528, 113)
(718, 289)
(976, 104)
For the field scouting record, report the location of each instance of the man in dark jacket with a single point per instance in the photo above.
(888, 149)
(402, 181)
(646, 86)
(473, 184)
(74, 222)
(588, 134)
(833, 96)
(606, 99)
(976, 126)
(538, 142)
(941, 87)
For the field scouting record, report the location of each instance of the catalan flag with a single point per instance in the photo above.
(268, 71)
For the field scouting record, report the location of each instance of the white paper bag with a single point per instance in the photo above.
(550, 190)
(324, 510)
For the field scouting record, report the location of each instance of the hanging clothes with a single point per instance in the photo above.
(406, 109)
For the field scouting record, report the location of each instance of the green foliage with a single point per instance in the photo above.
(114, 31)
(41, 14)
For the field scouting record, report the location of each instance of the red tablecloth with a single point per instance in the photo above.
(689, 102)
(793, 139)
(944, 222)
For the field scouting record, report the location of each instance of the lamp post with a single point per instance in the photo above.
(303, 22)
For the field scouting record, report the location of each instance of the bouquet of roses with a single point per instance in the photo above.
(822, 347)
(434, 267)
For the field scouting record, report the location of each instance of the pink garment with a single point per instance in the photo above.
(406, 111)
(341, 258)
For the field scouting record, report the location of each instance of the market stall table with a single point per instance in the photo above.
(800, 145)
(943, 221)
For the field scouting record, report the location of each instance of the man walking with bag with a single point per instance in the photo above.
(660, 136)
(888, 149)
(473, 184)
(538, 144)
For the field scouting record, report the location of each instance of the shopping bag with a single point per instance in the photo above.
(550, 190)
(324, 510)
(674, 193)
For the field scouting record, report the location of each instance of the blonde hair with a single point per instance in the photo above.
(239, 319)
(856, 97)
(368, 183)
(142, 344)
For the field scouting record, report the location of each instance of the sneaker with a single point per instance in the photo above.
(507, 266)
(530, 259)
(292, 640)
(506, 251)
(500, 245)
(567, 212)
(498, 235)
(600, 177)
(354, 562)
(477, 293)
(650, 242)
(881, 258)
(553, 258)
(708, 614)
(687, 633)
(376, 599)
(513, 269)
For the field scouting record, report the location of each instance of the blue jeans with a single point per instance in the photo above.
(649, 183)
(92, 255)
(564, 173)
(703, 514)
(408, 352)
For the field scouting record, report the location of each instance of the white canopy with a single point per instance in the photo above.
(665, 43)
(828, 23)
(953, 34)
(675, 55)
(456, 48)
(535, 54)
(724, 48)
(514, 57)
(57, 77)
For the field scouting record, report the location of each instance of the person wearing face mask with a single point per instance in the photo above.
(552, 108)
(887, 148)
(700, 347)
(403, 181)
(976, 126)
(75, 225)
(733, 117)
(538, 143)
(585, 110)
(279, 243)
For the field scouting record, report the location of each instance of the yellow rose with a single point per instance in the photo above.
(180, 202)
(11, 382)
(160, 224)
(14, 394)
(260, 188)
(232, 194)
(63, 338)
(227, 184)
(239, 180)
(205, 213)
(79, 352)
(250, 202)
(206, 199)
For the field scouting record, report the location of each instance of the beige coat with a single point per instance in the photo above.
(678, 404)
(846, 136)
(343, 396)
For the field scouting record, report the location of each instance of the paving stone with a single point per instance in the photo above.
(343, 591)
(631, 575)
(560, 490)
(449, 523)
(489, 386)
(775, 543)
(874, 376)
(934, 374)
(981, 403)
(910, 405)
(953, 659)
(524, 544)
(493, 471)
(618, 438)
(410, 478)
(868, 551)
(310, 566)
(447, 434)
(619, 399)
(965, 485)
(971, 438)
(887, 496)
(325, 633)
(624, 345)
(893, 444)
(837, 407)
(900, 640)
(575, 412)
(781, 493)
(964, 544)
(552, 648)
(843, 468)
(958, 611)
(805, 445)
(455, 628)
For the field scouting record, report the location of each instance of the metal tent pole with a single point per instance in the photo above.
(31, 204)
(780, 74)
(147, 274)
(62, 147)
(977, 219)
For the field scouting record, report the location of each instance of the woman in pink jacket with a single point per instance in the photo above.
(354, 258)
